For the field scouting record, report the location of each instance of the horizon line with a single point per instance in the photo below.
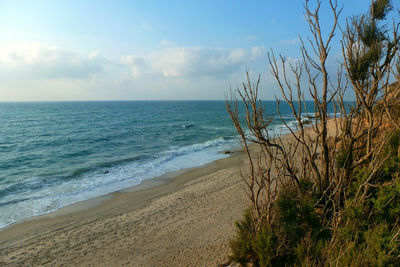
(131, 100)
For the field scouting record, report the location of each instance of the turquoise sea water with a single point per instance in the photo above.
(53, 154)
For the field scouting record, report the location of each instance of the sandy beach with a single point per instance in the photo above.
(186, 218)
(180, 219)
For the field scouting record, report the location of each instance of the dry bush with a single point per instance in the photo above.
(325, 173)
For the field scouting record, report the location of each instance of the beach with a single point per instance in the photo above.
(184, 218)
(66, 213)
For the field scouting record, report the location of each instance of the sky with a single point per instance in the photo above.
(53, 50)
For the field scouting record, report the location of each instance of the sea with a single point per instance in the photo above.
(53, 154)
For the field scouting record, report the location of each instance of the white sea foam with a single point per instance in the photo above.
(48, 198)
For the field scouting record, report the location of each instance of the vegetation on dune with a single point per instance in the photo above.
(330, 194)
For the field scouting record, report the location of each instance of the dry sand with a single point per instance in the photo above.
(181, 219)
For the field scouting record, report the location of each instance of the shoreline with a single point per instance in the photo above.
(19, 241)
(144, 183)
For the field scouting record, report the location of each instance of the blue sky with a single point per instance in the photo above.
(145, 50)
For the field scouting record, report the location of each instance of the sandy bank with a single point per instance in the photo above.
(181, 219)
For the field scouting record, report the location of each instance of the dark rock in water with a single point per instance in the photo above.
(227, 152)
(188, 125)
(105, 172)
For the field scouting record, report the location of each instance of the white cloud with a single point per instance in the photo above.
(93, 54)
(180, 62)
(291, 42)
(38, 61)
(166, 43)
(34, 71)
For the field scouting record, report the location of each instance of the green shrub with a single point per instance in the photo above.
(373, 247)
(292, 239)
(343, 159)
(366, 234)
(386, 204)
(364, 237)
(392, 145)
(265, 247)
(389, 166)
(297, 215)
(243, 245)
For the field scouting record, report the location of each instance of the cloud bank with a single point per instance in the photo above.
(183, 62)
(36, 61)
(34, 71)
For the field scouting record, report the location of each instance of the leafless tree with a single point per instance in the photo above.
(310, 153)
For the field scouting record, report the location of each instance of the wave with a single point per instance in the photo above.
(40, 195)
(120, 168)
